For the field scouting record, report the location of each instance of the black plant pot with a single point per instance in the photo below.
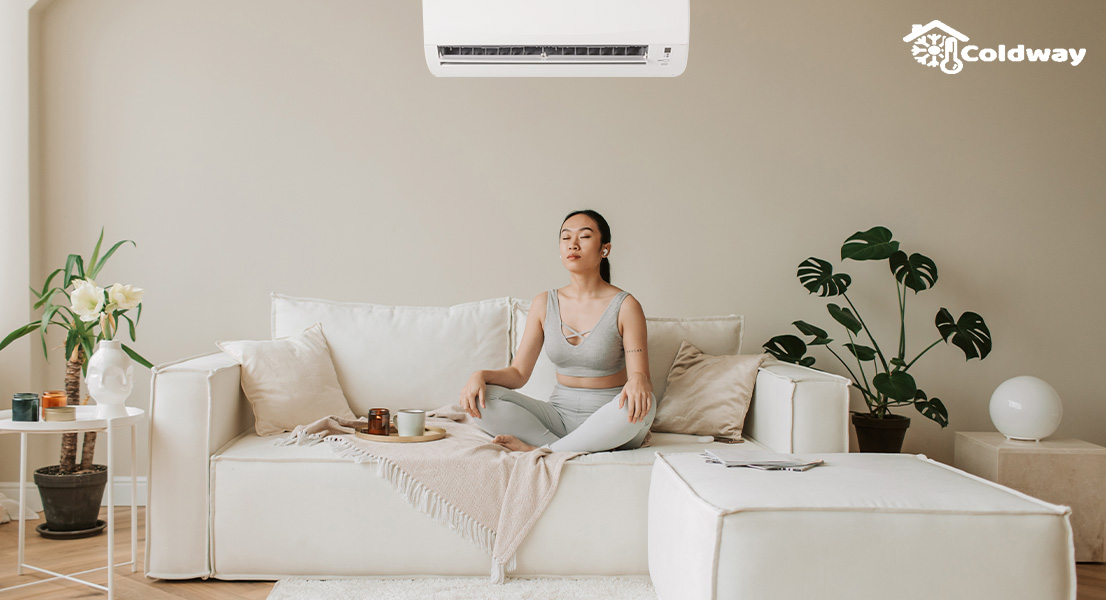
(71, 501)
(880, 435)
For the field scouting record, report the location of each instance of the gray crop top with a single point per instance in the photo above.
(599, 354)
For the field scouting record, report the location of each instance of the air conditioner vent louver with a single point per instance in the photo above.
(543, 54)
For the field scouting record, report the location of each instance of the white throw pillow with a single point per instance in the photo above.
(289, 381)
(714, 335)
(403, 356)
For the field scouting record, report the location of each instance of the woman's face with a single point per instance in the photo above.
(582, 248)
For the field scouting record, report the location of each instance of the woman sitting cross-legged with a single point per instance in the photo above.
(595, 335)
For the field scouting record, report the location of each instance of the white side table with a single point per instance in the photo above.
(1062, 471)
(86, 421)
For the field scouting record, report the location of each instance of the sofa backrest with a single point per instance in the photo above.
(720, 335)
(402, 356)
(421, 356)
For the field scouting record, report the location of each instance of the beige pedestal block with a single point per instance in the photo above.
(1061, 471)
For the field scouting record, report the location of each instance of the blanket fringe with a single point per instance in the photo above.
(421, 497)
(415, 493)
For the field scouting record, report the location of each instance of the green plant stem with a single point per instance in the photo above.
(864, 391)
(859, 363)
(920, 355)
(882, 359)
(901, 290)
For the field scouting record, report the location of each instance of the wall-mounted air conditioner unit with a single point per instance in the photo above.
(556, 38)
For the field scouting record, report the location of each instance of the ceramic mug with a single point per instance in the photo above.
(410, 422)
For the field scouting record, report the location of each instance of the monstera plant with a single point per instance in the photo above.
(882, 376)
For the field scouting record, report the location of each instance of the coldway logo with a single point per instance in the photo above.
(938, 45)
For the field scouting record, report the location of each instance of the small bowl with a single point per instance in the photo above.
(61, 413)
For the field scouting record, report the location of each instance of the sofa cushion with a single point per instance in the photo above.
(289, 381)
(717, 335)
(708, 395)
(402, 356)
(330, 507)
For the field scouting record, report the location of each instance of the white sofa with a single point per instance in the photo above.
(226, 503)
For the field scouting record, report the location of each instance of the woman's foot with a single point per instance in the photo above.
(512, 443)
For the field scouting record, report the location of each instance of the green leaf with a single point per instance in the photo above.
(96, 268)
(862, 353)
(133, 339)
(69, 264)
(897, 385)
(874, 244)
(845, 317)
(969, 333)
(817, 276)
(916, 272)
(932, 408)
(47, 297)
(86, 343)
(898, 362)
(820, 336)
(96, 252)
(71, 341)
(47, 316)
(46, 285)
(138, 359)
(18, 333)
(788, 348)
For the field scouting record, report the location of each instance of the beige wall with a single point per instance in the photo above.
(302, 147)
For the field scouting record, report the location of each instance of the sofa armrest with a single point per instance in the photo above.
(196, 406)
(798, 409)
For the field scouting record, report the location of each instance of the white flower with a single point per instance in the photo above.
(87, 300)
(124, 297)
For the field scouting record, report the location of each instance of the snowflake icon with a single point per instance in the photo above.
(937, 45)
(928, 48)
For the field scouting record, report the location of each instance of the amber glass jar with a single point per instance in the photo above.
(52, 398)
(379, 420)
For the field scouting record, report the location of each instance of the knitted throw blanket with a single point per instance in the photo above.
(487, 494)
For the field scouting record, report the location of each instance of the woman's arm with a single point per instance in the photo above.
(516, 375)
(638, 392)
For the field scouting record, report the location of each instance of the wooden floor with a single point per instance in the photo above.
(77, 555)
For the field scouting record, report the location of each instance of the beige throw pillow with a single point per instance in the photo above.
(707, 395)
(290, 381)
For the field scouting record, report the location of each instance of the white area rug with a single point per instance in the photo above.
(474, 588)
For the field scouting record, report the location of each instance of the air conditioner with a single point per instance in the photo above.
(556, 38)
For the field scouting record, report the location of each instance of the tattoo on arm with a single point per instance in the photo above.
(635, 350)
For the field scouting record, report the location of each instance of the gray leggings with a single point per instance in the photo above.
(574, 419)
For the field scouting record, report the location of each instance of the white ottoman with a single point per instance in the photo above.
(861, 526)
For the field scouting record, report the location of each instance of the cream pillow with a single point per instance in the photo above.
(707, 395)
(290, 381)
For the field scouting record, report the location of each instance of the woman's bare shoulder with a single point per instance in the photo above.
(630, 308)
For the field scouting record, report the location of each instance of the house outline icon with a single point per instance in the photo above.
(917, 31)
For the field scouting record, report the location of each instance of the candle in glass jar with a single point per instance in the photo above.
(51, 399)
(25, 407)
(379, 420)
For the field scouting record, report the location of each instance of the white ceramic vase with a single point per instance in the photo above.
(1026, 408)
(110, 379)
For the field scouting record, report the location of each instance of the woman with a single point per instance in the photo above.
(595, 335)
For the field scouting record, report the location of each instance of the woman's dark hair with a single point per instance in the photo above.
(604, 237)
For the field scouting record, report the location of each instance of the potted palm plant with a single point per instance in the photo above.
(882, 377)
(71, 490)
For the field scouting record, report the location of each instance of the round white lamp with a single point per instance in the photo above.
(1026, 408)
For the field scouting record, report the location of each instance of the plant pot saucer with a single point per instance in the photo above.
(45, 531)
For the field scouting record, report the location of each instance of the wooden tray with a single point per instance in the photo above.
(431, 434)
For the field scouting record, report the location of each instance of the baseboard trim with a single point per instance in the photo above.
(122, 490)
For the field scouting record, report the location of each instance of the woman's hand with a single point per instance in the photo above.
(638, 396)
(472, 395)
